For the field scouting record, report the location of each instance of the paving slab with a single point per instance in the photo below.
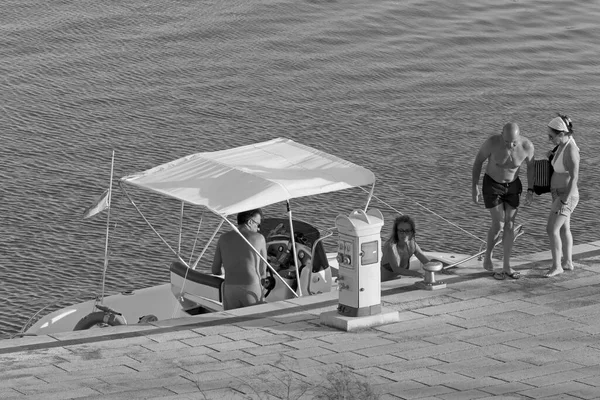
(479, 338)
(25, 341)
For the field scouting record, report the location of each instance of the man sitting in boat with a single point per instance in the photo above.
(242, 266)
(398, 250)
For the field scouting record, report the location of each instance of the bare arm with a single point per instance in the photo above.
(262, 249)
(217, 264)
(482, 155)
(529, 161)
(572, 164)
(389, 258)
(420, 255)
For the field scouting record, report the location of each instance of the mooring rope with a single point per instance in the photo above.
(425, 208)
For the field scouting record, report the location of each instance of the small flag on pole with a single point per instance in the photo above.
(101, 204)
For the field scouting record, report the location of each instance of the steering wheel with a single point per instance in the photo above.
(281, 249)
(281, 257)
(268, 282)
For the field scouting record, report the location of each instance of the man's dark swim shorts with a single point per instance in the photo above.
(495, 193)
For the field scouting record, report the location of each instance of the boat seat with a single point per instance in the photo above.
(201, 278)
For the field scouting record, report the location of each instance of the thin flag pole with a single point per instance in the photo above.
(112, 164)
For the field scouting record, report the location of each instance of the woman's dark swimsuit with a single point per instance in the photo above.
(495, 193)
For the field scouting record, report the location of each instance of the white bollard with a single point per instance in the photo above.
(429, 282)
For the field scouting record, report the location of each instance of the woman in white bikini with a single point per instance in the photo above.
(565, 194)
(398, 250)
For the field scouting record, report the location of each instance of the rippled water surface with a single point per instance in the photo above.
(409, 89)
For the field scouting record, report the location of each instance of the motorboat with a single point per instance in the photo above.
(225, 183)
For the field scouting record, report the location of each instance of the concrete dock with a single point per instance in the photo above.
(478, 338)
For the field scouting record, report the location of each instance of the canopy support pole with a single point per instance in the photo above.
(370, 196)
(195, 265)
(180, 228)
(292, 239)
(207, 244)
(196, 239)
(150, 225)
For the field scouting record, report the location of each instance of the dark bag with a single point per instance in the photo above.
(543, 172)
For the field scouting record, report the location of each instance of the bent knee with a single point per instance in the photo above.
(552, 229)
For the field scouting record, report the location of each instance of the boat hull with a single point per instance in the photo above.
(156, 300)
(166, 302)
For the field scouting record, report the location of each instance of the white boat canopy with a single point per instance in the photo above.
(253, 176)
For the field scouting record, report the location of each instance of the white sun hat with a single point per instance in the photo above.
(558, 124)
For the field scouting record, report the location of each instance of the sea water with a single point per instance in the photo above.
(409, 89)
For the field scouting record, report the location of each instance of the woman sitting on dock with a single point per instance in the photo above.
(398, 250)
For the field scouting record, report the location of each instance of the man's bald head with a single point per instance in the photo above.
(510, 135)
(510, 132)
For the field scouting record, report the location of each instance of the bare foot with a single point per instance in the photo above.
(553, 272)
(488, 265)
(568, 266)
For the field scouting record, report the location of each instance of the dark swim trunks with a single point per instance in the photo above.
(495, 193)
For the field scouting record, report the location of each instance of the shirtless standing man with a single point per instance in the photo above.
(243, 267)
(502, 189)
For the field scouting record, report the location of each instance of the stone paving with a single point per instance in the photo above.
(479, 338)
